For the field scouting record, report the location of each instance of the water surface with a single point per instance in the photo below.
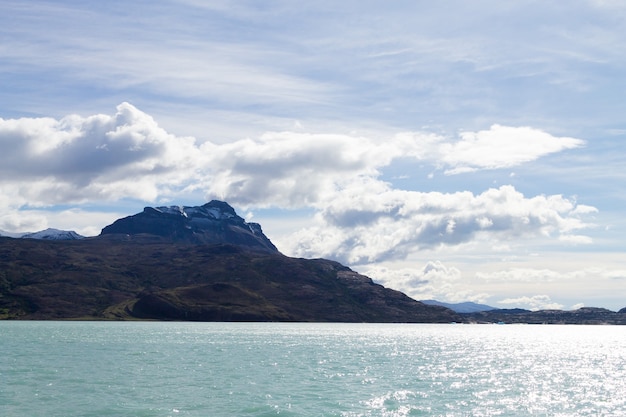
(280, 369)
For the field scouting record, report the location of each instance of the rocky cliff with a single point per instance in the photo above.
(214, 222)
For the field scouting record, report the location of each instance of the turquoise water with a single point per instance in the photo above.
(268, 369)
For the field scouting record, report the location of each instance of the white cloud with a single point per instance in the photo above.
(535, 302)
(584, 209)
(456, 280)
(127, 154)
(434, 280)
(294, 169)
(501, 147)
(358, 227)
(576, 239)
(521, 275)
(20, 222)
(73, 160)
(546, 275)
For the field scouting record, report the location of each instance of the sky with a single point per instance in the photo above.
(452, 150)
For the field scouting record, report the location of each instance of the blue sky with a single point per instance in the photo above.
(452, 150)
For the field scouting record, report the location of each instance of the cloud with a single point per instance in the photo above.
(501, 147)
(434, 280)
(295, 169)
(288, 169)
(44, 161)
(358, 227)
(18, 221)
(108, 157)
(545, 275)
(535, 302)
(459, 281)
(576, 239)
(521, 275)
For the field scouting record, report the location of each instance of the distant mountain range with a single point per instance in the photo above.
(481, 313)
(48, 234)
(466, 307)
(584, 315)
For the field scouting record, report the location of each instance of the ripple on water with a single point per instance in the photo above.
(270, 369)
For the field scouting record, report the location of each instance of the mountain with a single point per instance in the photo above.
(53, 234)
(466, 307)
(190, 263)
(214, 222)
(48, 234)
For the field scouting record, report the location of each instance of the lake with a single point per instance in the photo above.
(50, 368)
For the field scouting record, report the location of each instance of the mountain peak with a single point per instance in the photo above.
(48, 234)
(215, 209)
(53, 234)
(213, 222)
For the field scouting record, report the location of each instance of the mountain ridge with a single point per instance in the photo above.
(583, 315)
(47, 234)
(213, 222)
(464, 307)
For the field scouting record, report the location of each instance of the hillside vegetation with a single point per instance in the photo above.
(121, 277)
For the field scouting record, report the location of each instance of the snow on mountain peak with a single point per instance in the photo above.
(53, 234)
(216, 210)
(175, 210)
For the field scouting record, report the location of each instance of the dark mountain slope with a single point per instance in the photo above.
(146, 277)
